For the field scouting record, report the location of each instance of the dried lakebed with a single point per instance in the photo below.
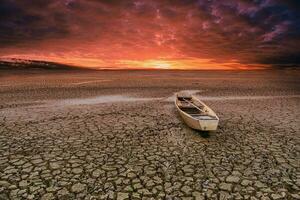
(137, 147)
(140, 150)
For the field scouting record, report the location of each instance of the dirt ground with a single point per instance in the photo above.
(117, 135)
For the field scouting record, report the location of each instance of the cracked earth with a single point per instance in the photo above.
(142, 149)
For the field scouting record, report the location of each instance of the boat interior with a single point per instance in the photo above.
(187, 105)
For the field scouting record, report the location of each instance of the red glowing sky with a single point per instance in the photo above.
(169, 34)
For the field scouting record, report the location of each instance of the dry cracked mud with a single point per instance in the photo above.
(142, 150)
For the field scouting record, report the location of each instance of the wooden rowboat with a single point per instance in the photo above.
(195, 113)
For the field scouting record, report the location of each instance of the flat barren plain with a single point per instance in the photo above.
(117, 135)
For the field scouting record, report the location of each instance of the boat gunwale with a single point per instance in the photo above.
(196, 119)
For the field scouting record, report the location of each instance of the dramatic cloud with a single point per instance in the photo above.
(204, 34)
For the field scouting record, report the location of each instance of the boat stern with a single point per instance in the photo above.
(208, 125)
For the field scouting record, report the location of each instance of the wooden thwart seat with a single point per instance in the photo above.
(190, 110)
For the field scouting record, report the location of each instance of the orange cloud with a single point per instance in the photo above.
(177, 34)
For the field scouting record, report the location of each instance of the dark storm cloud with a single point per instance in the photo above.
(247, 31)
(26, 21)
(283, 60)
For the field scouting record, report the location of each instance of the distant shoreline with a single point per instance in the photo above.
(39, 65)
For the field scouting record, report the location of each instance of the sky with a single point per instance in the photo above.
(167, 34)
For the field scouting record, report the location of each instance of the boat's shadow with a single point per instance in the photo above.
(204, 134)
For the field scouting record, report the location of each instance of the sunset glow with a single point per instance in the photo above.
(140, 34)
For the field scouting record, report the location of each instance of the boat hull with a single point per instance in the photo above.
(202, 125)
(199, 124)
